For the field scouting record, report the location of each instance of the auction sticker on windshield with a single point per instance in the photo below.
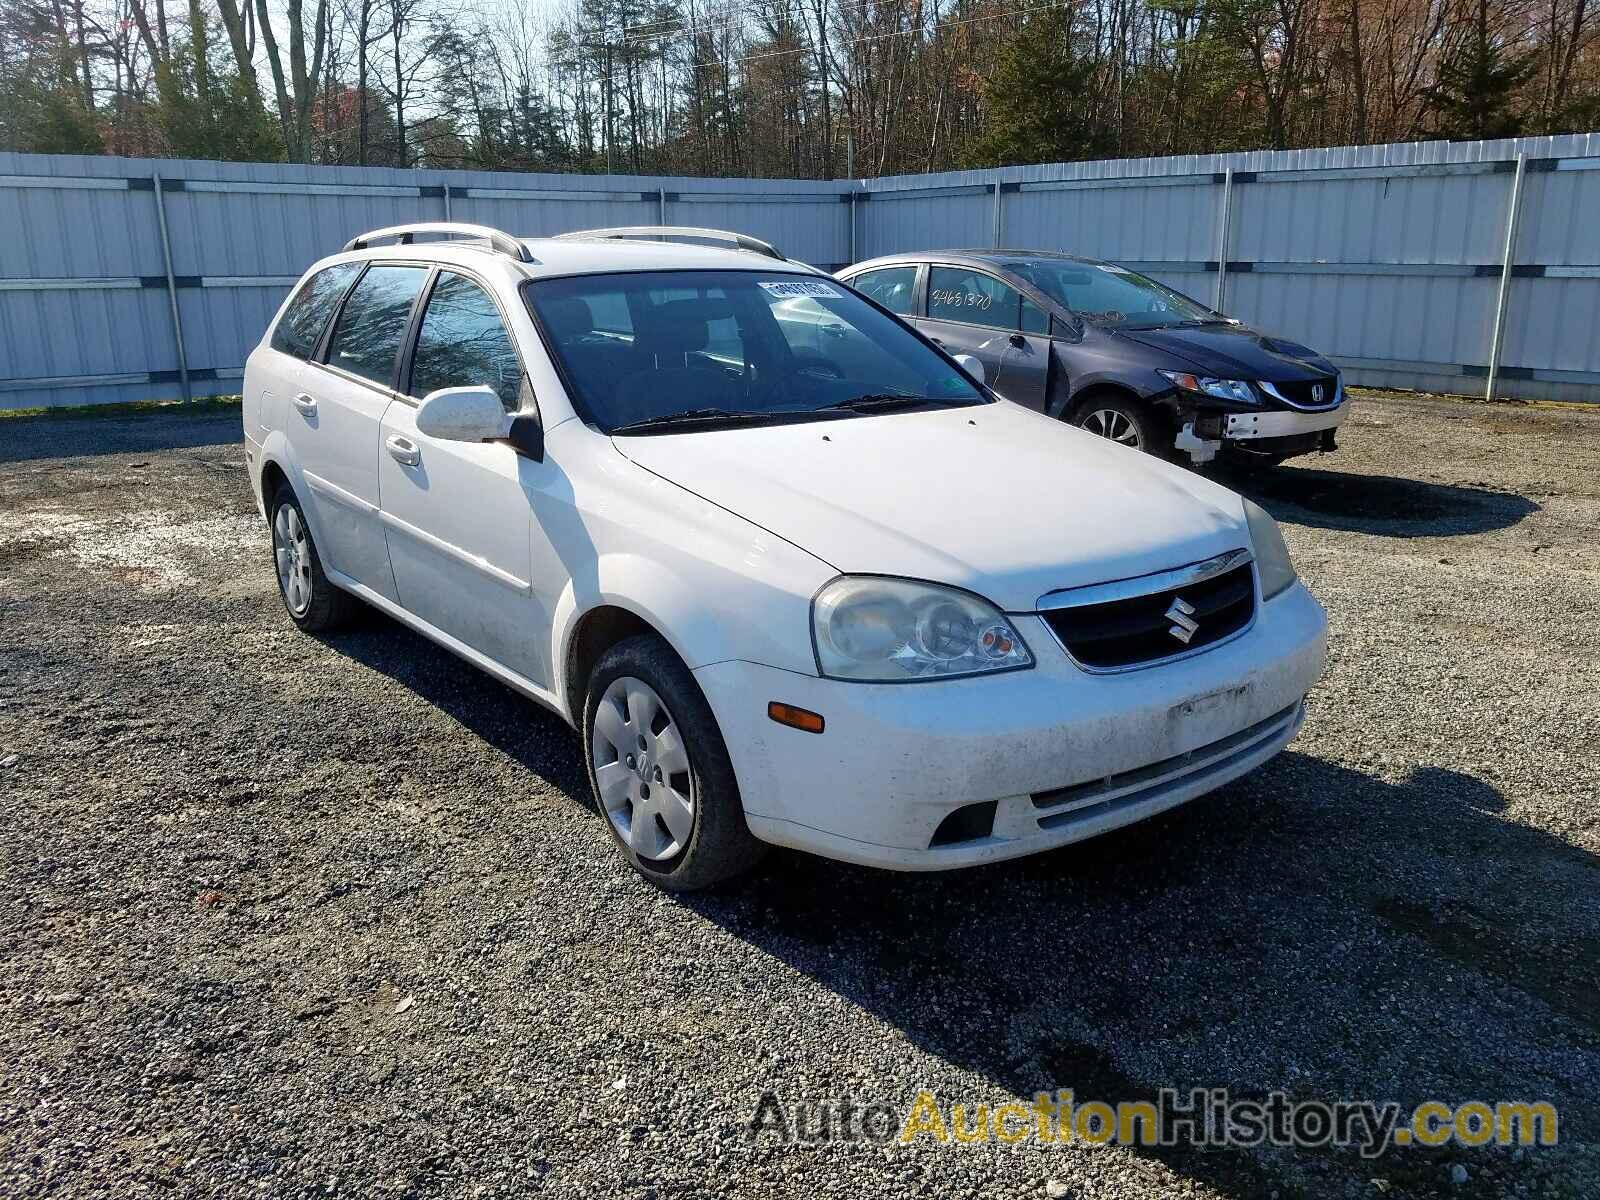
(800, 287)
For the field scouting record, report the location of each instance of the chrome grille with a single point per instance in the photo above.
(1139, 622)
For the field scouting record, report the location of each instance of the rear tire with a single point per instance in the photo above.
(660, 771)
(313, 603)
(1124, 421)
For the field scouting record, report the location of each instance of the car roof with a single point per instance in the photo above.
(990, 258)
(585, 256)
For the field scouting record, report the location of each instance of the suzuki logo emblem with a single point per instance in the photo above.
(1181, 614)
(1316, 393)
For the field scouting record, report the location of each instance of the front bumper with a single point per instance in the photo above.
(1280, 423)
(1061, 753)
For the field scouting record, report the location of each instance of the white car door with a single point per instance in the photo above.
(335, 418)
(458, 516)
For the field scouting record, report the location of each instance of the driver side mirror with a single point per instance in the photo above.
(970, 365)
(475, 414)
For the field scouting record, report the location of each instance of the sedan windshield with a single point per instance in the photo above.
(669, 351)
(1106, 294)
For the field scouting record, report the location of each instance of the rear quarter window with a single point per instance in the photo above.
(303, 321)
(892, 287)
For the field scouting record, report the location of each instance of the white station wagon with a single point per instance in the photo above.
(796, 575)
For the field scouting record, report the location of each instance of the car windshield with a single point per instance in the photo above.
(660, 351)
(1106, 294)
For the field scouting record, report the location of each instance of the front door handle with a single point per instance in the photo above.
(403, 450)
(1020, 342)
(305, 403)
(936, 341)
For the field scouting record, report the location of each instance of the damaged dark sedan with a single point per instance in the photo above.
(1116, 353)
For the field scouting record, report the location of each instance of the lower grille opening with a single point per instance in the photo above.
(965, 824)
(1200, 758)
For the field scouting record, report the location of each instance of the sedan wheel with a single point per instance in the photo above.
(1110, 423)
(292, 551)
(641, 770)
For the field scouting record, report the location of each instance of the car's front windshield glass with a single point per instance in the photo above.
(654, 351)
(1114, 296)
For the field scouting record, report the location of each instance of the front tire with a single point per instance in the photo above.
(660, 770)
(1126, 422)
(313, 603)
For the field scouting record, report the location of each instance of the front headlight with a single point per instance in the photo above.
(1222, 389)
(873, 629)
(1272, 556)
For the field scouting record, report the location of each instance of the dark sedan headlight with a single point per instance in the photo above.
(1238, 390)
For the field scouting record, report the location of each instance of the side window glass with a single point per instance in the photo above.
(373, 322)
(957, 294)
(303, 321)
(462, 342)
(1034, 318)
(892, 287)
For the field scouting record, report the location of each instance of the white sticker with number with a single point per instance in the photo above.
(800, 287)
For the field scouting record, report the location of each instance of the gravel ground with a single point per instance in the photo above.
(286, 916)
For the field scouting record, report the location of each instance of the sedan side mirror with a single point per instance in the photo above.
(970, 365)
(475, 414)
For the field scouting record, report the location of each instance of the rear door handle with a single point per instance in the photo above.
(936, 341)
(305, 403)
(403, 450)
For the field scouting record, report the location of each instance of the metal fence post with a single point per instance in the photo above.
(1223, 224)
(851, 208)
(661, 206)
(997, 225)
(172, 290)
(446, 195)
(1513, 219)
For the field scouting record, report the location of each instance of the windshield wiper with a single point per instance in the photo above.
(696, 416)
(886, 401)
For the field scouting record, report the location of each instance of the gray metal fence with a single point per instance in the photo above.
(1460, 267)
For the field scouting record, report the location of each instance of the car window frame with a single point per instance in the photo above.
(916, 279)
(325, 343)
(407, 357)
(927, 295)
(327, 322)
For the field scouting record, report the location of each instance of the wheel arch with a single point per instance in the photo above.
(593, 633)
(1103, 389)
(278, 467)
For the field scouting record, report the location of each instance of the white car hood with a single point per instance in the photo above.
(996, 499)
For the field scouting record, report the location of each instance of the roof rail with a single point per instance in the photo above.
(404, 235)
(679, 233)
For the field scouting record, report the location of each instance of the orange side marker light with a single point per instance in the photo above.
(795, 718)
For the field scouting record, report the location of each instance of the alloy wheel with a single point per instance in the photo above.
(641, 769)
(292, 550)
(1109, 423)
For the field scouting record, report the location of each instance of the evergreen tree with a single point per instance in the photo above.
(1041, 100)
(1478, 82)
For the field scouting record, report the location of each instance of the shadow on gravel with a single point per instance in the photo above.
(24, 439)
(525, 731)
(1381, 504)
(1310, 928)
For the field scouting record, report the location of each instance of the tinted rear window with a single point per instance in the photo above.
(307, 315)
(373, 322)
